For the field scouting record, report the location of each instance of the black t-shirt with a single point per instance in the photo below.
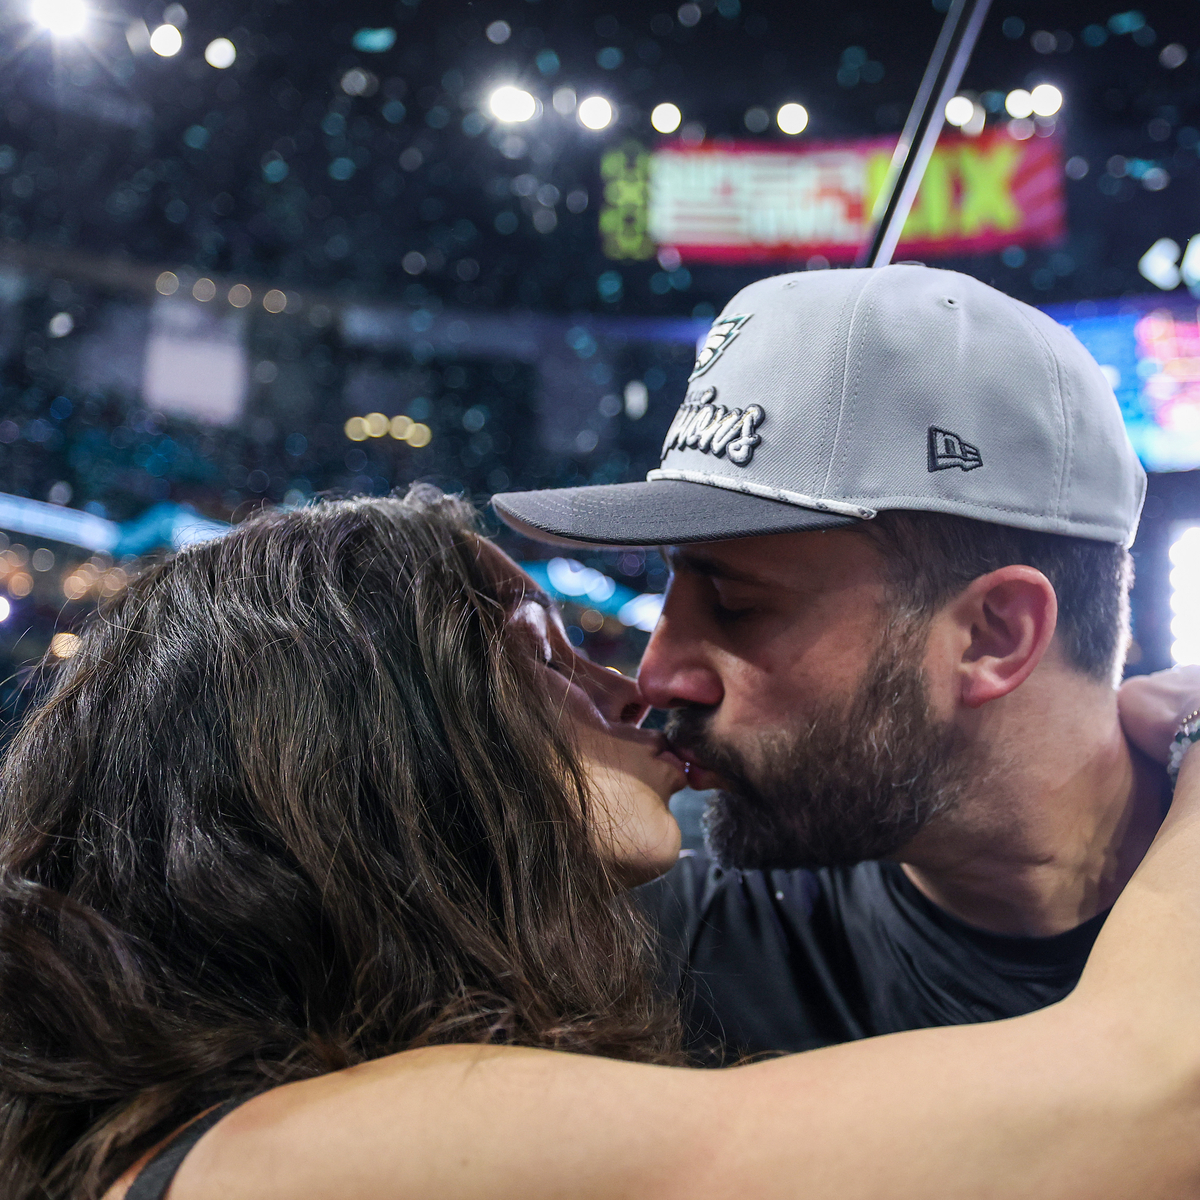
(791, 960)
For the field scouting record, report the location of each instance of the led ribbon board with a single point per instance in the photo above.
(742, 202)
(1149, 349)
(1168, 366)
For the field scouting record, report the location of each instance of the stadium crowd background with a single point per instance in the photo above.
(257, 250)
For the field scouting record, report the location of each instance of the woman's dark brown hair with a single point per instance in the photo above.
(296, 803)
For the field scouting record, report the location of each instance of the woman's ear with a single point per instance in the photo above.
(1005, 621)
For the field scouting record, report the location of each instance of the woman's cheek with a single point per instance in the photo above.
(632, 820)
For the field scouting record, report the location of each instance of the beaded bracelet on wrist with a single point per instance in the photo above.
(1186, 736)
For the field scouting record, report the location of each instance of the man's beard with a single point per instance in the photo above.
(857, 782)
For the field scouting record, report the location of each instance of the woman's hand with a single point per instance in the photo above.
(1152, 706)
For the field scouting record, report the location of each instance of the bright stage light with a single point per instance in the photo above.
(220, 53)
(166, 41)
(63, 18)
(1019, 103)
(1046, 100)
(666, 118)
(512, 104)
(792, 118)
(959, 110)
(595, 112)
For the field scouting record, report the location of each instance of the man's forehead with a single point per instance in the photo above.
(773, 558)
(713, 559)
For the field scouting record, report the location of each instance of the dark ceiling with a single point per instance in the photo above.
(271, 171)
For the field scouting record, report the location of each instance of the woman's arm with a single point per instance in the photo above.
(1152, 707)
(1095, 1097)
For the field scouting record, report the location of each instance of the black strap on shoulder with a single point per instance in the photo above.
(155, 1177)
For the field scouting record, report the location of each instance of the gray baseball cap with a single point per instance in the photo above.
(824, 397)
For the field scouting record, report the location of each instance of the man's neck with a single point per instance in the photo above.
(1049, 837)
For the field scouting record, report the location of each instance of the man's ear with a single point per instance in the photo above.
(1004, 622)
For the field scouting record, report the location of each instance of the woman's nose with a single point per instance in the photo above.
(618, 697)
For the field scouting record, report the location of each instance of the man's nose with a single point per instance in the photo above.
(674, 672)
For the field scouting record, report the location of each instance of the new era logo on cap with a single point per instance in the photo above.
(947, 450)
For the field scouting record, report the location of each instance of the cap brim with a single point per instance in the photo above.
(666, 512)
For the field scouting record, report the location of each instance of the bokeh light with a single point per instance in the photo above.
(166, 41)
(595, 112)
(65, 645)
(1160, 264)
(792, 118)
(666, 117)
(1045, 100)
(220, 53)
(756, 119)
(512, 104)
(1019, 104)
(959, 110)
(60, 325)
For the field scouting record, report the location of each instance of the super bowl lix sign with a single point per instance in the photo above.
(748, 202)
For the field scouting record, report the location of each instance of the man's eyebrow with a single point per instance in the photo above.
(699, 563)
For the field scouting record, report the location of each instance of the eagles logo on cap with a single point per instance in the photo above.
(723, 331)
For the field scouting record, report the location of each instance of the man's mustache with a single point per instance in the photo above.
(685, 730)
(687, 733)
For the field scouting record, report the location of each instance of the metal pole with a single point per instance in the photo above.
(920, 134)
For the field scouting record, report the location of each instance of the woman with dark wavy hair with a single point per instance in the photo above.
(317, 849)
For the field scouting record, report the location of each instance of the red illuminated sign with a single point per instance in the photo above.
(744, 202)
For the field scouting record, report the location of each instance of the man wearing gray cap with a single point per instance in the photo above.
(898, 505)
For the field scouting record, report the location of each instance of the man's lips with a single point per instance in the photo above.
(664, 752)
(704, 780)
(698, 775)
